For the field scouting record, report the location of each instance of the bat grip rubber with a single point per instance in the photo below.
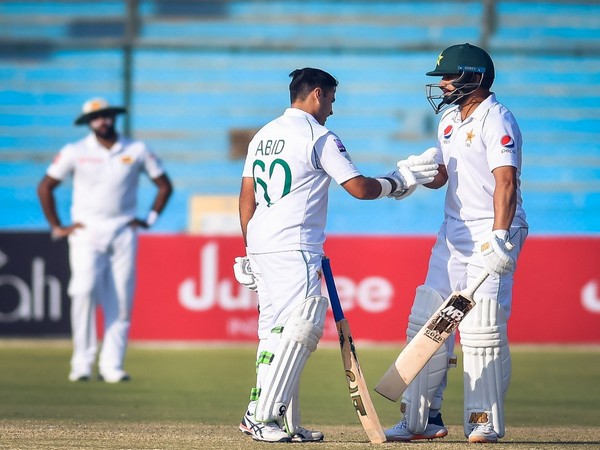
(336, 307)
(476, 283)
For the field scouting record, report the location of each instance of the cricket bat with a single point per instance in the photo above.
(427, 341)
(359, 393)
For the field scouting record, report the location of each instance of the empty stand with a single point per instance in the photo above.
(202, 69)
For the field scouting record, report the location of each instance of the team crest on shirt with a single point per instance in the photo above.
(469, 140)
(126, 159)
(340, 145)
(341, 148)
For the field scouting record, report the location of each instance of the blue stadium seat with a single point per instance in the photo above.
(228, 69)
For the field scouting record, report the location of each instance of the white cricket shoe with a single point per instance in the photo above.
(483, 434)
(114, 376)
(265, 432)
(78, 376)
(400, 433)
(305, 435)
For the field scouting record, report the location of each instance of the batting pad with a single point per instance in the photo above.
(417, 398)
(299, 339)
(292, 415)
(487, 365)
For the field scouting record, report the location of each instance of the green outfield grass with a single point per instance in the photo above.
(193, 397)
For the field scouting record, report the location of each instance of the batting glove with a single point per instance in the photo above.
(494, 253)
(400, 184)
(243, 273)
(423, 166)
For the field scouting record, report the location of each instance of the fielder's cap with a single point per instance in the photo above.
(463, 58)
(97, 107)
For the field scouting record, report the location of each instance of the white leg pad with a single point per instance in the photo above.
(487, 365)
(292, 415)
(417, 398)
(299, 339)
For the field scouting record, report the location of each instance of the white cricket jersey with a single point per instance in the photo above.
(105, 181)
(471, 150)
(292, 161)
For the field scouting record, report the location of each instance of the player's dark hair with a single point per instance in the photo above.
(304, 81)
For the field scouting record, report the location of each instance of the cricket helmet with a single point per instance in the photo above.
(97, 107)
(465, 61)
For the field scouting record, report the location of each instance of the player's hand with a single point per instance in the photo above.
(405, 183)
(423, 166)
(62, 232)
(494, 252)
(243, 273)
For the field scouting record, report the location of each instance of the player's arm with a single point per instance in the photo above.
(247, 204)
(363, 188)
(165, 189)
(45, 191)
(392, 184)
(334, 159)
(495, 248)
(505, 196)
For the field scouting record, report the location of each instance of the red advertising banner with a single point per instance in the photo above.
(186, 289)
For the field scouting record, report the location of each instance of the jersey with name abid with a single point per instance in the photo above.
(292, 161)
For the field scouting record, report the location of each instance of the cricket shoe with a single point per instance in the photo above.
(305, 435)
(115, 376)
(75, 376)
(264, 432)
(400, 433)
(483, 434)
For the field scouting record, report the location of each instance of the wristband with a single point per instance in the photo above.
(386, 187)
(152, 216)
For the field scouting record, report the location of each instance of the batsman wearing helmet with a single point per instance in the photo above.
(283, 209)
(479, 156)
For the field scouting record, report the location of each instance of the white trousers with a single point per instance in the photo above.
(101, 275)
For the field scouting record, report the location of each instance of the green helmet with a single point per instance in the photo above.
(464, 61)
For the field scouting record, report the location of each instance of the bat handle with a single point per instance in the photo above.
(483, 276)
(476, 283)
(336, 307)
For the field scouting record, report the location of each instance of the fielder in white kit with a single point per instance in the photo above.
(479, 155)
(103, 236)
(283, 210)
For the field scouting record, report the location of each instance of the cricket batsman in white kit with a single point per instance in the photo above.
(283, 210)
(103, 236)
(479, 156)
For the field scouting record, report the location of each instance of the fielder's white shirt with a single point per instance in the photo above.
(105, 181)
(471, 150)
(292, 160)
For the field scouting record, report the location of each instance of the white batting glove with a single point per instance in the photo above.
(402, 183)
(423, 166)
(494, 253)
(243, 273)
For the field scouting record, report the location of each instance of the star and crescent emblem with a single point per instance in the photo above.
(470, 136)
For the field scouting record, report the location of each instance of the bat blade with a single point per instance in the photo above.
(357, 386)
(427, 341)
